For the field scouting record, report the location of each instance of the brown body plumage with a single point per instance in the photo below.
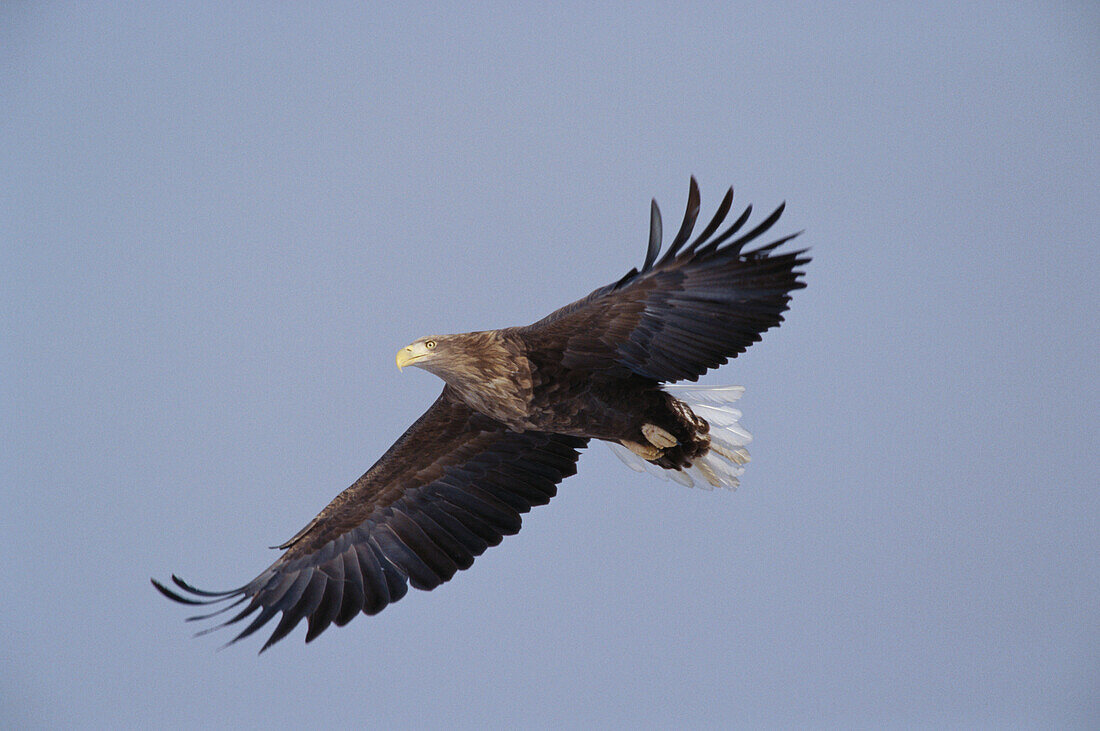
(518, 405)
(515, 376)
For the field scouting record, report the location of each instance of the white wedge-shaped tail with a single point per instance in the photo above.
(724, 463)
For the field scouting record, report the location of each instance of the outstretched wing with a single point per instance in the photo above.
(454, 484)
(701, 304)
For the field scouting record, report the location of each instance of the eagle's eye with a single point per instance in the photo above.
(430, 344)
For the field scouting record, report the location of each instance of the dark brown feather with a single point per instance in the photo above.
(690, 312)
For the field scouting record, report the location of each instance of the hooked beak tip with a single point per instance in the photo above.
(404, 357)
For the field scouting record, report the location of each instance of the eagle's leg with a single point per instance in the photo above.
(658, 437)
(659, 440)
(646, 451)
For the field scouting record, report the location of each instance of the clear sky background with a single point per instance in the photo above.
(219, 222)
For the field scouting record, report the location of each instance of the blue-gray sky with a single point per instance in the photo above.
(219, 222)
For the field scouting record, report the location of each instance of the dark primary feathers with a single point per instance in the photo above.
(457, 481)
(454, 484)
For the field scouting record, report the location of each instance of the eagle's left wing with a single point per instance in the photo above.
(454, 484)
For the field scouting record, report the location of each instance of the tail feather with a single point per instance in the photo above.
(723, 464)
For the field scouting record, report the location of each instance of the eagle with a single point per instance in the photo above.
(518, 406)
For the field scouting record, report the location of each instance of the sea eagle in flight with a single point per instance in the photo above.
(517, 407)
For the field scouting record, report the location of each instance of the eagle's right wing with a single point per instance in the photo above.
(454, 484)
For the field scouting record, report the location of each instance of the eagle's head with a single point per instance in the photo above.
(432, 353)
(458, 357)
(484, 372)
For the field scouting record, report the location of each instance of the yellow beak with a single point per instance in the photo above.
(408, 355)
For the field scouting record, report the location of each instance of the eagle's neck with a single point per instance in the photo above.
(492, 375)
